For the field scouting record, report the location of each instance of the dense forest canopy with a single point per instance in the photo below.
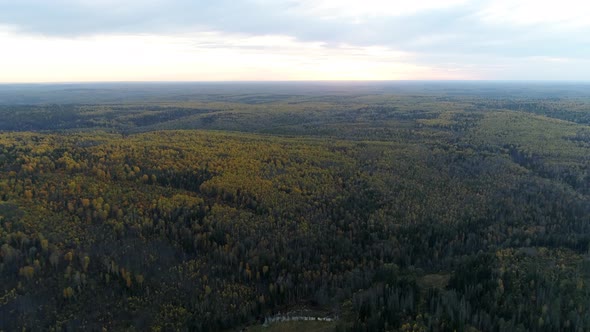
(410, 206)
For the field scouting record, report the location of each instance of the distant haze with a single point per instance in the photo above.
(269, 40)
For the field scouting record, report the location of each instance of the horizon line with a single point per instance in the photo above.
(298, 81)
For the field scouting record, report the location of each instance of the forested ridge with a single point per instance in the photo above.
(389, 211)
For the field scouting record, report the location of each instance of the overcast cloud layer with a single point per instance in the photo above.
(306, 39)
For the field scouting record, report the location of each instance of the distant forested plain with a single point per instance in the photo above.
(394, 206)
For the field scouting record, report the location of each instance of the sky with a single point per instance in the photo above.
(279, 40)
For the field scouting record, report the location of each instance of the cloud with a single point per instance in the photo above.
(561, 14)
(83, 17)
(208, 56)
(430, 30)
(499, 26)
(350, 9)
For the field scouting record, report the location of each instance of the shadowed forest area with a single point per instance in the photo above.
(408, 206)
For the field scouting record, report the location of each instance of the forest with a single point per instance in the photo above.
(411, 206)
